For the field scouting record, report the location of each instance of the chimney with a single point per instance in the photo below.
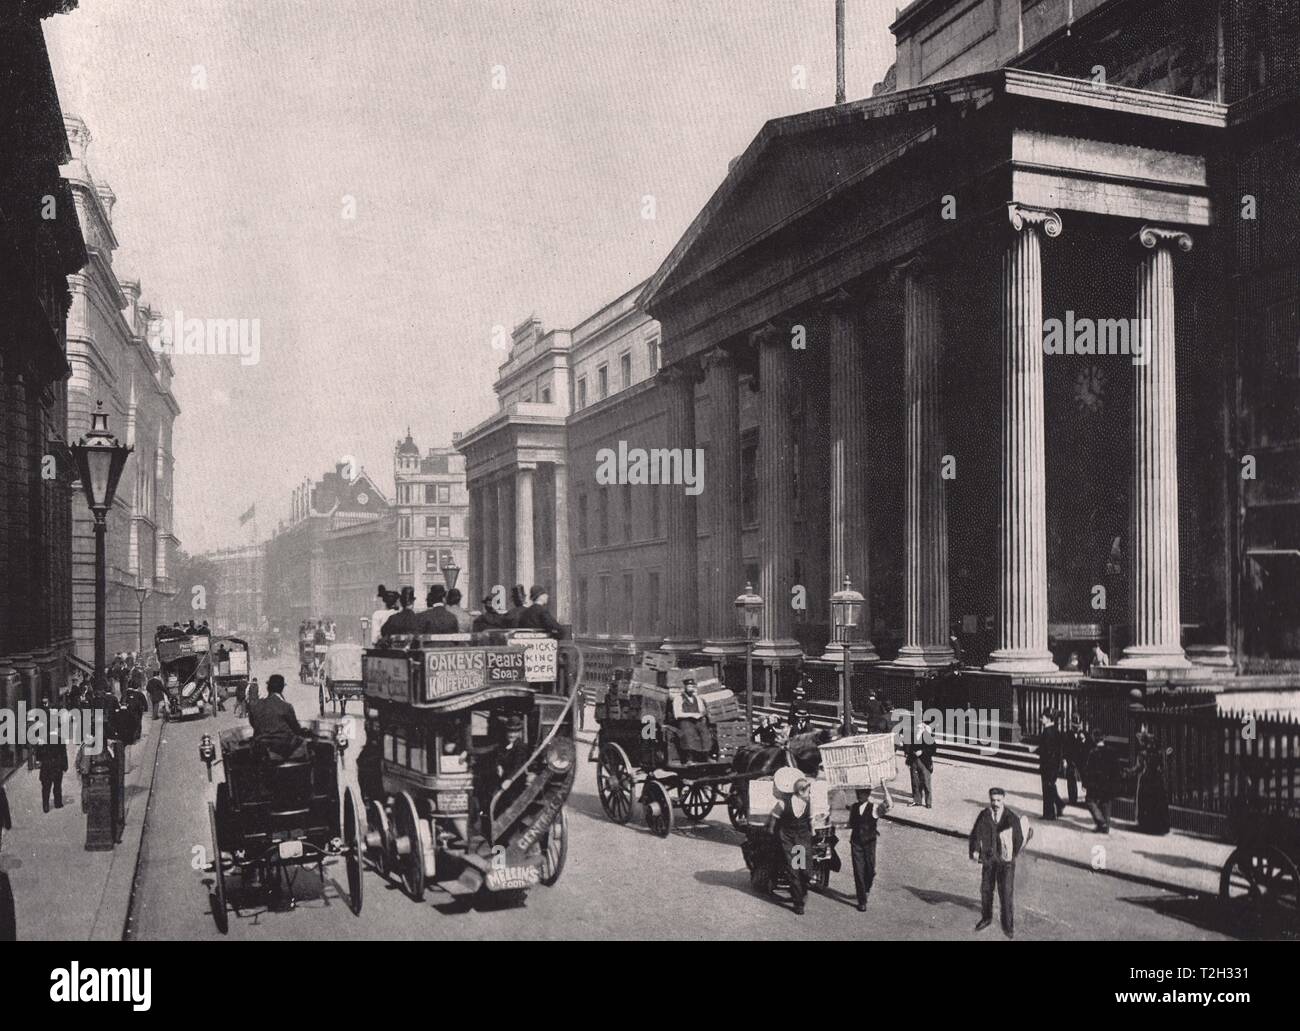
(839, 52)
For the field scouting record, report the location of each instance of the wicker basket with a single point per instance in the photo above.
(860, 761)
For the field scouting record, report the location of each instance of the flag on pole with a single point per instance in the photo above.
(252, 511)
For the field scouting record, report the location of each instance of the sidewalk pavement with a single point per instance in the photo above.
(61, 891)
(1175, 861)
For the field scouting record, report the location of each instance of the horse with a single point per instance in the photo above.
(765, 760)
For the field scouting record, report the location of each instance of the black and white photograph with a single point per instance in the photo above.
(651, 471)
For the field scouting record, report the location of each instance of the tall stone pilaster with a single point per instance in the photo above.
(776, 397)
(1022, 521)
(525, 564)
(1153, 519)
(925, 625)
(505, 535)
(722, 504)
(682, 609)
(848, 531)
(560, 600)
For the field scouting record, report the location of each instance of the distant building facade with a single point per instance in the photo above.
(113, 363)
(241, 586)
(303, 574)
(432, 513)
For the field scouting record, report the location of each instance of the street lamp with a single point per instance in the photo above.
(100, 458)
(449, 573)
(142, 594)
(846, 612)
(748, 607)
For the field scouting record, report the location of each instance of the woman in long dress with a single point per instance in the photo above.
(1152, 794)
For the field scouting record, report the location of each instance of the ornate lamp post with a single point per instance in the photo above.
(748, 607)
(846, 612)
(100, 458)
(449, 574)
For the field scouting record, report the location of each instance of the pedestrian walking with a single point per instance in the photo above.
(53, 758)
(864, 815)
(791, 823)
(1101, 779)
(1078, 743)
(996, 841)
(920, 752)
(1050, 757)
(154, 689)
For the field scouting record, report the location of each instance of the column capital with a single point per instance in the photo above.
(1021, 216)
(915, 266)
(767, 334)
(838, 300)
(717, 357)
(1153, 237)
(687, 370)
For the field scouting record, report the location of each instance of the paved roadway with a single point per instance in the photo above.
(622, 882)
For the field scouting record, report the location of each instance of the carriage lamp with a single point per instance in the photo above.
(749, 608)
(207, 753)
(846, 613)
(449, 574)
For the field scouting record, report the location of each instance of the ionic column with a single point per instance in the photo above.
(722, 503)
(1022, 522)
(848, 544)
(925, 624)
(682, 580)
(560, 589)
(1153, 519)
(524, 556)
(505, 535)
(776, 397)
(488, 536)
(474, 574)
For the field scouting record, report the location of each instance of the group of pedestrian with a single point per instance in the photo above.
(1084, 758)
(445, 613)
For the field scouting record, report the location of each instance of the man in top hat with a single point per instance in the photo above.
(406, 620)
(798, 699)
(694, 741)
(275, 725)
(1077, 745)
(1050, 757)
(511, 754)
(492, 617)
(436, 619)
(537, 616)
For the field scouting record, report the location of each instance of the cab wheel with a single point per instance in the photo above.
(556, 849)
(378, 839)
(352, 842)
(658, 808)
(409, 845)
(217, 896)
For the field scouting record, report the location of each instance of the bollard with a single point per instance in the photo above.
(101, 799)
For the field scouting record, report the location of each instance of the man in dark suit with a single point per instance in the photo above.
(537, 616)
(490, 618)
(437, 618)
(920, 752)
(864, 814)
(1101, 779)
(406, 620)
(53, 758)
(275, 724)
(995, 843)
(1050, 754)
(1076, 747)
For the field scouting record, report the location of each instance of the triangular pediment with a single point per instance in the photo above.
(795, 164)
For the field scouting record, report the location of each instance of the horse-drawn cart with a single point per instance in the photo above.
(1263, 870)
(342, 681)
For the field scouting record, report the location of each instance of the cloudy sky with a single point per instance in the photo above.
(238, 136)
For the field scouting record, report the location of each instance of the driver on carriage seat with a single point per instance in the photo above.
(694, 741)
(276, 730)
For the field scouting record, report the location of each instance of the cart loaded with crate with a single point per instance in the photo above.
(850, 764)
(637, 755)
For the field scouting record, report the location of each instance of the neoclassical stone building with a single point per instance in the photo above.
(113, 362)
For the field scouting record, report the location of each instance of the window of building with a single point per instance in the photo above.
(431, 526)
(582, 605)
(431, 562)
(582, 392)
(654, 513)
(652, 602)
(652, 354)
(444, 494)
(604, 603)
(404, 561)
(430, 493)
(625, 369)
(404, 527)
(629, 603)
(627, 511)
(444, 526)
(602, 502)
(445, 558)
(749, 484)
(602, 382)
(582, 521)
(545, 396)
